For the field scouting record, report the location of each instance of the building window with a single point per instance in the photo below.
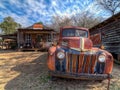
(28, 38)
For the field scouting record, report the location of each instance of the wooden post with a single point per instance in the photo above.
(18, 39)
(51, 36)
(118, 57)
(108, 87)
(2, 43)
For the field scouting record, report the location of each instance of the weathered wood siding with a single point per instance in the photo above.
(110, 36)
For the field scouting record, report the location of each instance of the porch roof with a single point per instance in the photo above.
(33, 31)
(9, 36)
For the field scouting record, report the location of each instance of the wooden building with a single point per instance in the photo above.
(107, 34)
(8, 41)
(35, 37)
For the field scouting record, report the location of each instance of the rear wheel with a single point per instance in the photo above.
(117, 58)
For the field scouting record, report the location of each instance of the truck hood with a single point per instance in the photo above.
(77, 43)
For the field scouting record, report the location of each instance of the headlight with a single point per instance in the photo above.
(101, 58)
(60, 55)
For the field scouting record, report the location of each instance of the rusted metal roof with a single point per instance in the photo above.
(111, 19)
(9, 36)
(37, 26)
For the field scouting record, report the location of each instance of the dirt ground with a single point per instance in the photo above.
(28, 71)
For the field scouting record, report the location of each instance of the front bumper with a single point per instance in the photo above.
(83, 76)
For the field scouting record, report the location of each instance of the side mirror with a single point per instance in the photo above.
(104, 35)
(96, 39)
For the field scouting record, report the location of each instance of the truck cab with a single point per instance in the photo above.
(75, 57)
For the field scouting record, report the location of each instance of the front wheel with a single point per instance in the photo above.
(53, 78)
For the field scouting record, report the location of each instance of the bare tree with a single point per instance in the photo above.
(86, 19)
(58, 22)
(109, 5)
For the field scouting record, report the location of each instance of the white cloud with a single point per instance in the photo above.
(54, 4)
(37, 10)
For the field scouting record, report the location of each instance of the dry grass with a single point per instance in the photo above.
(28, 71)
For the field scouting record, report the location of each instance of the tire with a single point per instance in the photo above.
(116, 58)
(53, 78)
(117, 61)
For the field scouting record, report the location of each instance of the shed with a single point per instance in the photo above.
(9, 41)
(108, 33)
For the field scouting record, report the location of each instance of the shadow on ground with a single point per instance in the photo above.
(34, 76)
(7, 51)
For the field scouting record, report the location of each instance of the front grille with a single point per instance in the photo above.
(83, 63)
(80, 63)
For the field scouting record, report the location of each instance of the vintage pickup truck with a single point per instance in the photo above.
(75, 57)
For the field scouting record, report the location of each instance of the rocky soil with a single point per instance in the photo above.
(28, 71)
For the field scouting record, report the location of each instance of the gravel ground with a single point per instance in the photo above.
(28, 71)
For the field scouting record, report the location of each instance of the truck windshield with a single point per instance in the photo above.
(74, 33)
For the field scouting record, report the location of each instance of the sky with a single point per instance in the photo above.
(28, 12)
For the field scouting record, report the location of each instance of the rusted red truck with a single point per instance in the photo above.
(75, 57)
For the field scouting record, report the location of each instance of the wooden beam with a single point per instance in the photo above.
(36, 32)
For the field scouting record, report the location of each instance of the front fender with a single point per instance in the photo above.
(51, 58)
(109, 61)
